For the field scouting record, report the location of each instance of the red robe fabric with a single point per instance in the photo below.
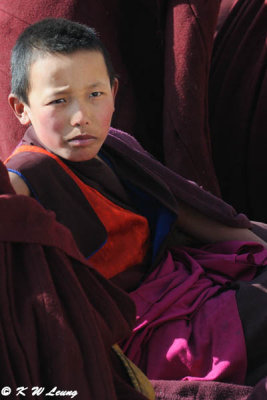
(59, 318)
(238, 96)
(190, 27)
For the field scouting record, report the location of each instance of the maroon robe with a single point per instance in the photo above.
(59, 318)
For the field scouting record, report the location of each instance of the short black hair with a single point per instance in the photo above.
(51, 36)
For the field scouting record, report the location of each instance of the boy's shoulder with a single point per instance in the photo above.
(18, 184)
(31, 167)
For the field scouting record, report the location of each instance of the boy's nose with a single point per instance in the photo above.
(79, 116)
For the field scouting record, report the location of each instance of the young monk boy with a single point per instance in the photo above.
(128, 214)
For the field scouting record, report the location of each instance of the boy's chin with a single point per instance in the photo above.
(77, 157)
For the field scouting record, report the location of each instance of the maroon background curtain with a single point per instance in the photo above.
(238, 99)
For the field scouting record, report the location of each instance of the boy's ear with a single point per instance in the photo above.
(115, 87)
(19, 109)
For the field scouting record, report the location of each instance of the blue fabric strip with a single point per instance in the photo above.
(26, 181)
(159, 217)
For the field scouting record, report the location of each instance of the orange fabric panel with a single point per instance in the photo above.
(128, 232)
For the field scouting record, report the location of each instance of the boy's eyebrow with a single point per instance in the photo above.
(95, 84)
(66, 89)
(56, 91)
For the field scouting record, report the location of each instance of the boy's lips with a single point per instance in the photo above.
(82, 140)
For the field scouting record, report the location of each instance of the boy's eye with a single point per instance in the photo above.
(95, 94)
(57, 101)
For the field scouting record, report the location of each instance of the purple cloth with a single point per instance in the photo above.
(185, 190)
(185, 318)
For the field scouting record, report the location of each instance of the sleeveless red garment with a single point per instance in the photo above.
(127, 232)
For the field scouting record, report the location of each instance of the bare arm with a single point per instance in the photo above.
(208, 230)
(18, 184)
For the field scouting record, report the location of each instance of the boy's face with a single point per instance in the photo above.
(71, 103)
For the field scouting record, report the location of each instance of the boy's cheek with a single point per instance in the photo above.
(51, 121)
(57, 126)
(106, 116)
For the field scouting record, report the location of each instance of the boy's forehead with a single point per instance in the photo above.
(56, 67)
